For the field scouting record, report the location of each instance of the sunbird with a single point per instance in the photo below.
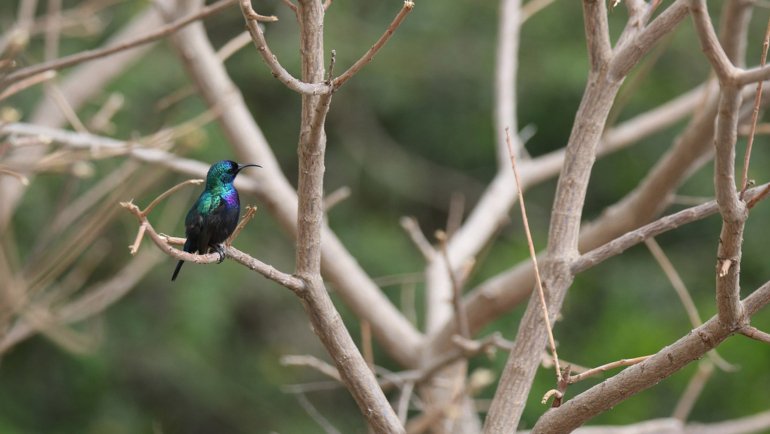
(215, 214)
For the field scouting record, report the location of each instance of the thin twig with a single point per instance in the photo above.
(531, 8)
(336, 197)
(291, 5)
(754, 115)
(279, 72)
(66, 109)
(412, 228)
(369, 55)
(26, 83)
(684, 296)
(658, 367)
(762, 194)
(561, 388)
(455, 215)
(663, 224)
(101, 120)
(693, 390)
(460, 317)
(233, 45)
(312, 362)
(251, 211)
(146, 211)
(676, 281)
(533, 255)
(606, 367)
(755, 333)
(22, 179)
(402, 408)
(83, 56)
(366, 343)
(315, 414)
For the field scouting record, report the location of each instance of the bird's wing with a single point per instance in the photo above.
(221, 222)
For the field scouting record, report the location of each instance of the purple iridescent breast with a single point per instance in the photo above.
(231, 197)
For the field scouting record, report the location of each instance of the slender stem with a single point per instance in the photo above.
(754, 115)
(84, 56)
(606, 367)
(644, 375)
(533, 255)
(369, 55)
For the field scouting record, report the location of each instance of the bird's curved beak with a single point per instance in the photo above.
(243, 166)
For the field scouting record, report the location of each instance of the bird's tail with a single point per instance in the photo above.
(176, 270)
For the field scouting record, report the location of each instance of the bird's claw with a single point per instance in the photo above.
(220, 249)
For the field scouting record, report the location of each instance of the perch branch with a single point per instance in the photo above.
(291, 282)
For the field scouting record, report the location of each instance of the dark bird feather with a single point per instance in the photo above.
(215, 214)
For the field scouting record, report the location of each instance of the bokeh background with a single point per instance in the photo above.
(414, 128)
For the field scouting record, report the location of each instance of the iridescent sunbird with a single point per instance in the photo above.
(215, 214)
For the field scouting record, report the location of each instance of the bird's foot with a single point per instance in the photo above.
(220, 249)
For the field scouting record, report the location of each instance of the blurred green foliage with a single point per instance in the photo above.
(202, 355)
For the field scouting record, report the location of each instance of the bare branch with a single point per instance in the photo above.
(606, 367)
(315, 414)
(754, 115)
(395, 333)
(412, 228)
(693, 390)
(745, 425)
(533, 256)
(312, 362)
(289, 281)
(95, 299)
(168, 193)
(93, 54)
(279, 72)
(733, 210)
(667, 361)
(597, 33)
(664, 224)
(369, 55)
(459, 313)
(722, 65)
(628, 54)
(291, 5)
(516, 381)
(22, 179)
(336, 197)
(684, 296)
(26, 83)
(506, 65)
(756, 334)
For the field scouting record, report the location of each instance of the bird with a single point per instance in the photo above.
(214, 215)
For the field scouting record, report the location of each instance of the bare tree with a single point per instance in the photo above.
(434, 360)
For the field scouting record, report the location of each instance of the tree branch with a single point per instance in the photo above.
(369, 55)
(84, 56)
(286, 280)
(597, 33)
(633, 380)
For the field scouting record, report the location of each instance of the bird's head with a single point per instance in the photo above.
(223, 172)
